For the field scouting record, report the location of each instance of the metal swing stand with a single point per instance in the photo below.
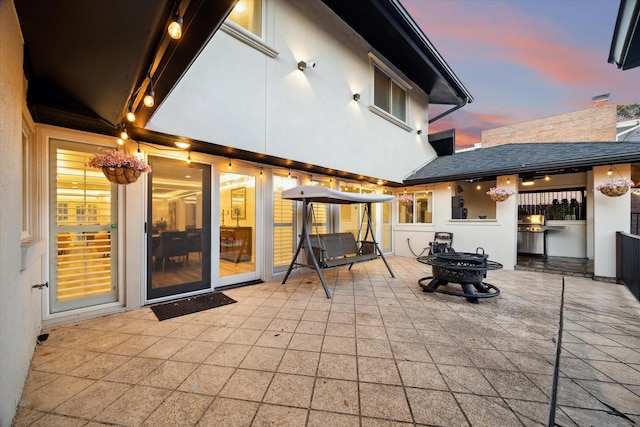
(319, 265)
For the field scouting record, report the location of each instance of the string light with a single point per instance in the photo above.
(229, 164)
(131, 116)
(120, 141)
(149, 98)
(547, 178)
(508, 180)
(175, 27)
(188, 157)
(124, 135)
(610, 171)
(139, 153)
(261, 174)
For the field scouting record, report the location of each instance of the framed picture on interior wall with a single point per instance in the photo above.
(238, 203)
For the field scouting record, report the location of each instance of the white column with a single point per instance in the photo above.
(610, 214)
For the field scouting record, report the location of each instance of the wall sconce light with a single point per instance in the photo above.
(182, 144)
(419, 131)
(303, 65)
(356, 97)
(175, 26)
(149, 98)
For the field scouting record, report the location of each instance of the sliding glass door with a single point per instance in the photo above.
(178, 228)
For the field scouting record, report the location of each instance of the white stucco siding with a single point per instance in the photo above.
(497, 238)
(611, 214)
(235, 95)
(20, 305)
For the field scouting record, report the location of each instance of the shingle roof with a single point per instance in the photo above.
(525, 158)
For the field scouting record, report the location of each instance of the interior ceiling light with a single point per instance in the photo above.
(175, 26)
(182, 144)
(149, 98)
(527, 181)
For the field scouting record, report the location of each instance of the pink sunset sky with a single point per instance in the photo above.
(523, 59)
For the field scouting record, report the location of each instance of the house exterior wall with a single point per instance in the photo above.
(20, 265)
(595, 124)
(498, 238)
(266, 105)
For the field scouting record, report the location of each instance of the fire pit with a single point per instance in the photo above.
(467, 269)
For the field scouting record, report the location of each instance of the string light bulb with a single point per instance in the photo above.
(120, 141)
(508, 180)
(131, 116)
(175, 27)
(229, 164)
(124, 135)
(149, 98)
(547, 178)
(139, 153)
(261, 174)
(610, 171)
(189, 157)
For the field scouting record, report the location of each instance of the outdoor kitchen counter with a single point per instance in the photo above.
(567, 238)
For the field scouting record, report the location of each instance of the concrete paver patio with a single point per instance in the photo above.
(380, 353)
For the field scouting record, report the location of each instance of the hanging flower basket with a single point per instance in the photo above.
(405, 199)
(500, 194)
(121, 175)
(119, 167)
(615, 188)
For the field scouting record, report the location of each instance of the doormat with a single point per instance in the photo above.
(169, 310)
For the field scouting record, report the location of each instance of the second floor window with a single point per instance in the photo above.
(248, 14)
(389, 95)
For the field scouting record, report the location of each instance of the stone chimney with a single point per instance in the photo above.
(600, 100)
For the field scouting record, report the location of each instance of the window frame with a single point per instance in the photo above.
(376, 64)
(28, 180)
(249, 38)
(414, 207)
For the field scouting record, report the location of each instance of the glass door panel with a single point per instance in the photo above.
(237, 261)
(284, 223)
(83, 223)
(178, 228)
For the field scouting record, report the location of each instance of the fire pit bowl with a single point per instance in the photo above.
(467, 269)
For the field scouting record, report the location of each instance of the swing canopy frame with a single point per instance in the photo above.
(336, 249)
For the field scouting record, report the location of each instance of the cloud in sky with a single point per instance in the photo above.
(526, 59)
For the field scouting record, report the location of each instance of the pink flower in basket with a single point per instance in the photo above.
(500, 194)
(405, 199)
(118, 159)
(615, 187)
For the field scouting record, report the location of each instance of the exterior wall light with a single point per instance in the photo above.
(303, 65)
(356, 97)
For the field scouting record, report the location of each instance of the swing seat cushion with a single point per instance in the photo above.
(337, 249)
